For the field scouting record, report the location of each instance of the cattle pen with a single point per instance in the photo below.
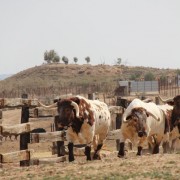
(25, 128)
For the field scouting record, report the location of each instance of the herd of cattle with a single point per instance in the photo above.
(143, 122)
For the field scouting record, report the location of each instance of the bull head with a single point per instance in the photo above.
(75, 106)
(137, 119)
(68, 110)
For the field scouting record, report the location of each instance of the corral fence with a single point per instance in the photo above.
(25, 129)
(167, 86)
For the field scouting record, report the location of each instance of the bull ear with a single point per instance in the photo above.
(129, 117)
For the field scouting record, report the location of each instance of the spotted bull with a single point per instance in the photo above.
(86, 121)
(174, 122)
(144, 122)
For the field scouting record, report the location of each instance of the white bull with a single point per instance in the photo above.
(86, 121)
(144, 122)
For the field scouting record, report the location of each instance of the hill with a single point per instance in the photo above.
(4, 76)
(61, 78)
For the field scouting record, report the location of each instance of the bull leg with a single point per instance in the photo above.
(96, 152)
(121, 150)
(139, 151)
(88, 153)
(173, 145)
(60, 148)
(71, 153)
(166, 147)
(156, 149)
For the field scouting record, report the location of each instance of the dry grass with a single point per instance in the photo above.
(160, 166)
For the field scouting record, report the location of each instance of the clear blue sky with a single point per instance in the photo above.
(141, 32)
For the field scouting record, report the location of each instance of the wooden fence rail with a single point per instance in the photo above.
(24, 130)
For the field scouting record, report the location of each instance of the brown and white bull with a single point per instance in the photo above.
(174, 122)
(86, 121)
(144, 122)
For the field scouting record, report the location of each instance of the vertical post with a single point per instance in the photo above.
(1, 115)
(24, 138)
(118, 126)
(157, 100)
(60, 144)
(1, 160)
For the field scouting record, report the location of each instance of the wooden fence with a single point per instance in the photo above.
(26, 136)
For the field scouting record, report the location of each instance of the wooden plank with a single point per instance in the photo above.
(41, 112)
(113, 135)
(48, 137)
(61, 136)
(15, 129)
(116, 109)
(47, 160)
(16, 156)
(16, 102)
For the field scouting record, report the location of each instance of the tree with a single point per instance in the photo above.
(65, 59)
(75, 59)
(56, 59)
(51, 56)
(136, 75)
(149, 77)
(87, 59)
(119, 60)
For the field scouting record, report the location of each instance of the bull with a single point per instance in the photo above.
(174, 122)
(86, 122)
(144, 123)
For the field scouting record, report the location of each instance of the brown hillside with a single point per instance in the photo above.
(61, 78)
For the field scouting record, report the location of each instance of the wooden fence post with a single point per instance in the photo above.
(1, 114)
(157, 100)
(25, 138)
(60, 144)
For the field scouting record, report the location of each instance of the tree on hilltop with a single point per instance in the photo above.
(65, 59)
(87, 59)
(119, 60)
(75, 59)
(51, 56)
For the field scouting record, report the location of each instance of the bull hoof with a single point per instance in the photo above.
(96, 157)
(71, 159)
(120, 156)
(88, 158)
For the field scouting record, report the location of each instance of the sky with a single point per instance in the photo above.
(140, 32)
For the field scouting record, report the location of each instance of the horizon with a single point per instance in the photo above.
(141, 33)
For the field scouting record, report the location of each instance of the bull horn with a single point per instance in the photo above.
(47, 107)
(154, 116)
(76, 107)
(147, 100)
(165, 100)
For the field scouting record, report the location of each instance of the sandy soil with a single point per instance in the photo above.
(160, 166)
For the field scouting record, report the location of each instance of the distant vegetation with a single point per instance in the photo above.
(53, 79)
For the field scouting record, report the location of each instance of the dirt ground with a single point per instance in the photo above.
(160, 166)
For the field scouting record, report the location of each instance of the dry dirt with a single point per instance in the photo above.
(160, 166)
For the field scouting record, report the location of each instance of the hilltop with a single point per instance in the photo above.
(56, 77)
